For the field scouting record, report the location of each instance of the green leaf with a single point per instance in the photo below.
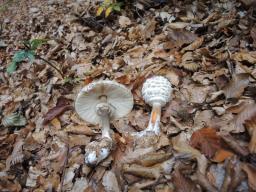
(117, 7)
(19, 56)
(30, 55)
(35, 43)
(12, 67)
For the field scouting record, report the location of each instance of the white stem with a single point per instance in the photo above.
(155, 118)
(105, 126)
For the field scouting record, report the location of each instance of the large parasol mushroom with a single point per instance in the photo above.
(98, 103)
(156, 91)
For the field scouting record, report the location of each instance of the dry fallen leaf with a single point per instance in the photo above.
(195, 45)
(251, 127)
(206, 140)
(181, 37)
(110, 182)
(152, 158)
(181, 145)
(245, 56)
(61, 106)
(251, 174)
(81, 130)
(221, 155)
(253, 35)
(182, 183)
(236, 85)
(124, 21)
(246, 114)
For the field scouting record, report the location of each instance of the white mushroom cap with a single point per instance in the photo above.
(157, 89)
(118, 97)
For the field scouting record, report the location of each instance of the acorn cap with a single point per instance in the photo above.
(157, 89)
(119, 98)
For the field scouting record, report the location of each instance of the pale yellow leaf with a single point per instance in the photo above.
(108, 11)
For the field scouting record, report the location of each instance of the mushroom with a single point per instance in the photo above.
(156, 92)
(98, 103)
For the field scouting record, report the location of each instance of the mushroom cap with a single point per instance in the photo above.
(118, 97)
(157, 89)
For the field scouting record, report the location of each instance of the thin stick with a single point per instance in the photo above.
(52, 65)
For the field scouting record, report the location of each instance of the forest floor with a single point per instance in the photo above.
(207, 50)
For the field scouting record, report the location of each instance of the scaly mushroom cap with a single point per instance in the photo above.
(157, 89)
(119, 98)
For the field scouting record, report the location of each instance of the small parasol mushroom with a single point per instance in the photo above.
(156, 91)
(98, 103)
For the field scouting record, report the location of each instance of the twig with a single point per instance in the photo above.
(51, 64)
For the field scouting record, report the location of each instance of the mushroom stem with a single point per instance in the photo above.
(105, 126)
(104, 111)
(155, 116)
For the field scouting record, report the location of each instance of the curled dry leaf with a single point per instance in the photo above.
(80, 130)
(221, 155)
(233, 176)
(110, 182)
(236, 86)
(251, 174)
(33, 174)
(153, 172)
(206, 140)
(195, 45)
(81, 184)
(246, 114)
(178, 25)
(253, 35)
(245, 56)
(181, 37)
(182, 183)
(17, 155)
(124, 21)
(180, 144)
(152, 158)
(61, 106)
(251, 127)
(234, 144)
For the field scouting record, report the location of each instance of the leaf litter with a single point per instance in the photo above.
(206, 50)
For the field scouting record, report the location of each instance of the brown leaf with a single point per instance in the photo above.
(181, 145)
(236, 86)
(182, 183)
(248, 112)
(248, 2)
(245, 56)
(56, 123)
(221, 155)
(251, 174)
(81, 130)
(253, 35)
(181, 37)
(110, 182)
(233, 176)
(124, 79)
(61, 106)
(206, 140)
(153, 158)
(234, 144)
(251, 127)
(140, 171)
(195, 45)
